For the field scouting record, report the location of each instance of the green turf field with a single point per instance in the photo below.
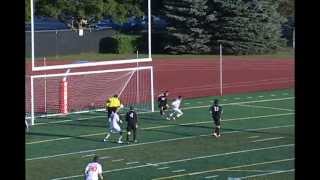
(257, 142)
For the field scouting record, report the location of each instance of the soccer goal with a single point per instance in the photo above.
(52, 95)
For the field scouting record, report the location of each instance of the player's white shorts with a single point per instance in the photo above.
(177, 110)
(115, 128)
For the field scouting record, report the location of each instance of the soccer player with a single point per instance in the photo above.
(216, 113)
(93, 170)
(112, 105)
(27, 126)
(176, 111)
(114, 127)
(132, 120)
(163, 102)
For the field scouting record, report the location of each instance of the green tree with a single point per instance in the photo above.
(286, 8)
(27, 11)
(185, 32)
(81, 11)
(246, 26)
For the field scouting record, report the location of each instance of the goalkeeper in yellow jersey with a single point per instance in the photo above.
(112, 105)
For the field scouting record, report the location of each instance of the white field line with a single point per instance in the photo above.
(152, 142)
(249, 170)
(266, 107)
(68, 120)
(117, 160)
(265, 174)
(223, 169)
(166, 167)
(136, 162)
(163, 126)
(151, 164)
(88, 155)
(210, 177)
(253, 137)
(195, 158)
(105, 157)
(194, 107)
(267, 139)
(179, 170)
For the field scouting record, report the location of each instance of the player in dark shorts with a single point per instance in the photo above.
(132, 120)
(163, 102)
(216, 113)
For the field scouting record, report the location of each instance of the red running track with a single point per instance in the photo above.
(201, 77)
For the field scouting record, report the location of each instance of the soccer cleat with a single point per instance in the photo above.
(214, 134)
(168, 118)
(135, 141)
(174, 118)
(120, 142)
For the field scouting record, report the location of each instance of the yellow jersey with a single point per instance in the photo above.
(113, 102)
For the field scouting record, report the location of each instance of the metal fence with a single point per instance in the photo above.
(64, 42)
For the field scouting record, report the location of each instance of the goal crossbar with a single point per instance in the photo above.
(90, 64)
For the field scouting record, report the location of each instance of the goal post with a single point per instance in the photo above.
(80, 92)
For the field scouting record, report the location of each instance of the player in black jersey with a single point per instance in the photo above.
(216, 113)
(163, 102)
(132, 120)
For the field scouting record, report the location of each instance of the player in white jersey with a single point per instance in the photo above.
(93, 170)
(27, 126)
(114, 127)
(176, 111)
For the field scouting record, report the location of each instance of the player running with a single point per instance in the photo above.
(114, 127)
(93, 170)
(176, 111)
(216, 113)
(131, 118)
(163, 103)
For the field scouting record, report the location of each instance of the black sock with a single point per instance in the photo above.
(134, 135)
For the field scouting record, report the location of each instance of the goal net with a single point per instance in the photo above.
(52, 95)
